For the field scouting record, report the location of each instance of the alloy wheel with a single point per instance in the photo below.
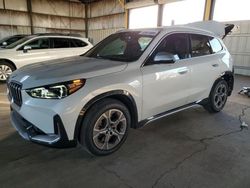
(220, 96)
(5, 72)
(109, 129)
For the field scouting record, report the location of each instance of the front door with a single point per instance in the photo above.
(38, 51)
(166, 76)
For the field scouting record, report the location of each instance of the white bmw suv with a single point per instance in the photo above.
(38, 48)
(126, 81)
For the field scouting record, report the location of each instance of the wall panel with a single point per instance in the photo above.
(13, 18)
(97, 35)
(48, 15)
(19, 5)
(105, 18)
(1, 4)
(106, 7)
(238, 43)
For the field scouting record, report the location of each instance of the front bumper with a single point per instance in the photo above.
(30, 132)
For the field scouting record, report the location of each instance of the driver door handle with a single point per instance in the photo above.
(183, 71)
(215, 65)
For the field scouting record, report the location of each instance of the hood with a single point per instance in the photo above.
(55, 71)
(4, 50)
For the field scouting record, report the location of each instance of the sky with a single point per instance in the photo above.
(188, 11)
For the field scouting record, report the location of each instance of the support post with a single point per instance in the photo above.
(126, 13)
(86, 20)
(4, 4)
(209, 10)
(29, 8)
(160, 15)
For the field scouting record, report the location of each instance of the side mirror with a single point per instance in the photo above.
(26, 48)
(164, 57)
(4, 44)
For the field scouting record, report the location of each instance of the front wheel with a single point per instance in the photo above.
(218, 97)
(105, 127)
(6, 70)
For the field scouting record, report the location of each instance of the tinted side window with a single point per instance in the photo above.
(200, 45)
(42, 43)
(176, 45)
(74, 43)
(61, 43)
(12, 40)
(215, 44)
(144, 42)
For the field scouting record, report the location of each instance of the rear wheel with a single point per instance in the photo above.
(105, 127)
(6, 70)
(218, 97)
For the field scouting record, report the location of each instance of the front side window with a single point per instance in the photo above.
(174, 46)
(12, 40)
(61, 42)
(215, 45)
(124, 46)
(19, 42)
(200, 45)
(42, 43)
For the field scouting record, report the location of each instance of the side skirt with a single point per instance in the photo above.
(167, 113)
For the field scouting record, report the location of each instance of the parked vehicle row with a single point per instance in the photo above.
(37, 48)
(126, 81)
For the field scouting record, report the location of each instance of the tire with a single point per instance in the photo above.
(101, 133)
(218, 97)
(6, 70)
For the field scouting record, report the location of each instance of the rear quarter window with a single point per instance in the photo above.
(75, 43)
(215, 45)
(200, 45)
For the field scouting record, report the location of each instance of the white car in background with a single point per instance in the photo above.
(38, 48)
(126, 81)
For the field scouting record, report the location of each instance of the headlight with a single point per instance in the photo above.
(56, 91)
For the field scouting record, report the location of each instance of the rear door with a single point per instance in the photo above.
(60, 48)
(66, 47)
(205, 65)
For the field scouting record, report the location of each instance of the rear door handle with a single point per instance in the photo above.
(215, 65)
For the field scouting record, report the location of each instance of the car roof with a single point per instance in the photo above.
(211, 28)
(168, 29)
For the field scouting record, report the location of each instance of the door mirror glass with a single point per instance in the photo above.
(26, 48)
(164, 57)
(4, 44)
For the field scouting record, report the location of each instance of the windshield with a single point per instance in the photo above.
(21, 41)
(124, 46)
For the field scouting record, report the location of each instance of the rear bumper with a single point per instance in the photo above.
(30, 132)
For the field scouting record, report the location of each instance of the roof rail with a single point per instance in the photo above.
(60, 34)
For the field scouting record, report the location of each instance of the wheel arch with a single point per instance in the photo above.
(123, 96)
(228, 76)
(8, 61)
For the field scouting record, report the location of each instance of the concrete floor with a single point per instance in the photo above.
(190, 149)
